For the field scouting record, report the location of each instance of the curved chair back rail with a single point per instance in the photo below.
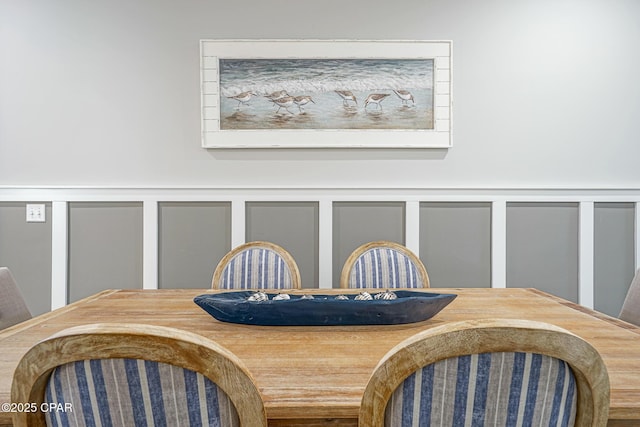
(147, 355)
(257, 265)
(13, 309)
(467, 349)
(383, 264)
(630, 311)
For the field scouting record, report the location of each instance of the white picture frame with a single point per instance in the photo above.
(319, 70)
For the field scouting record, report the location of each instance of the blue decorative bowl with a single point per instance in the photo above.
(323, 310)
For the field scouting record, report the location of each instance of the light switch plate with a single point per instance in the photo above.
(36, 213)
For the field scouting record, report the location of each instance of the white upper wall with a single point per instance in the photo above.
(546, 93)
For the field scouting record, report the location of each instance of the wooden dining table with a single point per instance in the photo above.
(316, 375)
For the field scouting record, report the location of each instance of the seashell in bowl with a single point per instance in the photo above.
(280, 297)
(386, 295)
(258, 296)
(363, 296)
(342, 297)
(306, 296)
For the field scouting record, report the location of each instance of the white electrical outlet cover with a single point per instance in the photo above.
(36, 213)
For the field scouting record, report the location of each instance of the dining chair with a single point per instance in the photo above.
(630, 311)
(132, 375)
(383, 264)
(497, 372)
(257, 265)
(13, 309)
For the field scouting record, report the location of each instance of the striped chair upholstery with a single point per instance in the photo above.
(257, 265)
(488, 372)
(135, 392)
(496, 389)
(384, 265)
(135, 375)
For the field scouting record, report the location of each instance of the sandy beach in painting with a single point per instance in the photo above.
(270, 94)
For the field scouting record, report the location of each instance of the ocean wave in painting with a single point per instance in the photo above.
(265, 76)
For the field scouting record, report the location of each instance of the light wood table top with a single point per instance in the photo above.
(316, 375)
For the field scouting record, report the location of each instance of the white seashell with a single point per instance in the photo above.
(341, 297)
(386, 295)
(281, 297)
(258, 296)
(306, 296)
(363, 296)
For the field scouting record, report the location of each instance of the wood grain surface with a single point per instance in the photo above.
(312, 376)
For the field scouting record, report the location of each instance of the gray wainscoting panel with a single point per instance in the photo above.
(455, 243)
(105, 247)
(292, 225)
(26, 249)
(542, 247)
(356, 223)
(614, 262)
(192, 238)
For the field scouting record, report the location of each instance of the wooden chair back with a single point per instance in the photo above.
(119, 372)
(383, 264)
(461, 370)
(13, 309)
(257, 265)
(630, 311)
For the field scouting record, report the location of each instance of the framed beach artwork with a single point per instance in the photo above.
(326, 93)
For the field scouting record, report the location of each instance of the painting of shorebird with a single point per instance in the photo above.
(326, 93)
(375, 99)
